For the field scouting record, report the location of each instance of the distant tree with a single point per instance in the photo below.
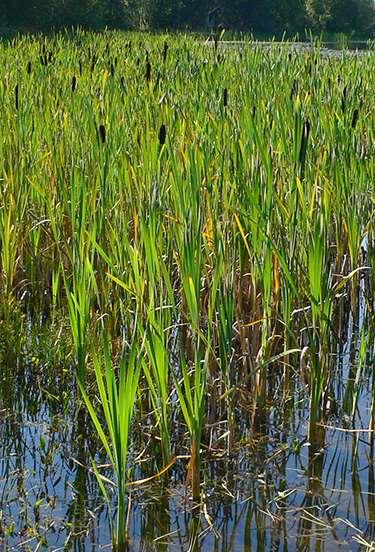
(365, 24)
(17, 12)
(343, 15)
(85, 13)
(289, 16)
(318, 14)
(3, 19)
(165, 13)
(136, 14)
(265, 17)
(115, 12)
(247, 15)
(347, 16)
(193, 13)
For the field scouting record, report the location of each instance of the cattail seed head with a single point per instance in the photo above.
(74, 83)
(102, 133)
(344, 98)
(165, 51)
(162, 134)
(225, 97)
(16, 96)
(148, 71)
(304, 142)
(294, 90)
(355, 118)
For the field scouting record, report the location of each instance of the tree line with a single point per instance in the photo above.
(266, 17)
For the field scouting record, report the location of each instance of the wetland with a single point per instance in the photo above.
(186, 295)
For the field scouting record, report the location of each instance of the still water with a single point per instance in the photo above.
(271, 492)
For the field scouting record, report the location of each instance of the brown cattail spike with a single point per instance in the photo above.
(74, 83)
(304, 142)
(16, 96)
(28, 68)
(165, 52)
(148, 71)
(344, 99)
(162, 134)
(225, 97)
(294, 90)
(355, 118)
(102, 133)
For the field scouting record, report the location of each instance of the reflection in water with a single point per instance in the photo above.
(281, 488)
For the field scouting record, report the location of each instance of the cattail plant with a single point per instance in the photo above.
(303, 148)
(102, 133)
(16, 97)
(225, 97)
(204, 256)
(355, 118)
(165, 51)
(117, 399)
(148, 71)
(162, 134)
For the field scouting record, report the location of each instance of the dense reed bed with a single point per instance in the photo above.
(204, 219)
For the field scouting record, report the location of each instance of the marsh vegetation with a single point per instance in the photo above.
(186, 295)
